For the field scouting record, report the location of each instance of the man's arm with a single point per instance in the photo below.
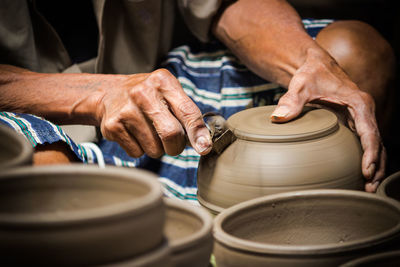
(145, 113)
(269, 38)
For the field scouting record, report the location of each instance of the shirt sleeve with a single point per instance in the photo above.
(199, 14)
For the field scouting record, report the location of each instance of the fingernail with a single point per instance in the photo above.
(202, 144)
(280, 112)
(371, 170)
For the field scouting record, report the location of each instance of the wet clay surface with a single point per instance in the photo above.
(313, 152)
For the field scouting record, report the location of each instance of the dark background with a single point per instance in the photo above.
(384, 15)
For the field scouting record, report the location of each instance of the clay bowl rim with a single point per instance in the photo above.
(26, 153)
(386, 183)
(122, 209)
(236, 243)
(368, 258)
(198, 236)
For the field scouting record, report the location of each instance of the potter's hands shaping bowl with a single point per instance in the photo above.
(333, 86)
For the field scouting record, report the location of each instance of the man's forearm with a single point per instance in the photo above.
(268, 37)
(61, 98)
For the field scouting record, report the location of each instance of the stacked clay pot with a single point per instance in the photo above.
(81, 215)
(14, 149)
(189, 233)
(314, 151)
(306, 228)
(73, 215)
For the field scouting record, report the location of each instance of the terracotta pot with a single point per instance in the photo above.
(385, 259)
(78, 215)
(312, 152)
(189, 233)
(14, 149)
(158, 257)
(390, 187)
(306, 228)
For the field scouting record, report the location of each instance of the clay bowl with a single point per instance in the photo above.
(189, 233)
(314, 151)
(14, 149)
(384, 259)
(306, 228)
(78, 215)
(390, 187)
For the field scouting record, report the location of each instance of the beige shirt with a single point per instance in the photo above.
(133, 34)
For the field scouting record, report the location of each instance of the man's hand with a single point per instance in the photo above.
(150, 113)
(321, 80)
(145, 113)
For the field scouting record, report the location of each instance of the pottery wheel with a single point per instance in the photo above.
(255, 124)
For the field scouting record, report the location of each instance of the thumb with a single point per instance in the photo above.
(289, 107)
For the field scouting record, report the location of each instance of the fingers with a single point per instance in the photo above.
(184, 110)
(362, 108)
(373, 184)
(114, 131)
(291, 104)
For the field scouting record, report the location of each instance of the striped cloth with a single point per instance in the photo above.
(211, 76)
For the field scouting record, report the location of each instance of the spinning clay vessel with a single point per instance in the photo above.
(311, 152)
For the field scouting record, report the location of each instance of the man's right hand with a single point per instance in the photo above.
(150, 113)
(145, 113)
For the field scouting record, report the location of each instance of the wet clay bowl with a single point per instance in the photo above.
(314, 151)
(390, 187)
(306, 228)
(384, 259)
(189, 233)
(78, 215)
(14, 149)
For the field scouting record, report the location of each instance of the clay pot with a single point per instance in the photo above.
(78, 215)
(189, 233)
(385, 259)
(306, 228)
(312, 152)
(14, 149)
(390, 187)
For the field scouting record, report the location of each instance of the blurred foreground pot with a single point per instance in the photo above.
(189, 232)
(312, 152)
(385, 259)
(306, 228)
(390, 187)
(78, 215)
(14, 149)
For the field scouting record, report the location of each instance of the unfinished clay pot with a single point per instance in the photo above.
(314, 151)
(306, 228)
(14, 149)
(78, 215)
(390, 187)
(384, 259)
(188, 229)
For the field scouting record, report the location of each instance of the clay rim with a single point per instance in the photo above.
(246, 246)
(329, 125)
(367, 259)
(382, 188)
(26, 154)
(127, 208)
(203, 233)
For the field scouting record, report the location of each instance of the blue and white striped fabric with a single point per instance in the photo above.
(214, 79)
